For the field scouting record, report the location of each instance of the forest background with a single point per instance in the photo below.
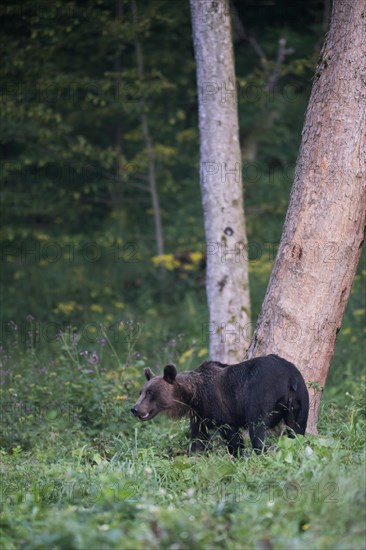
(87, 301)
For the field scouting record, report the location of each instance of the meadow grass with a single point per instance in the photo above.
(78, 471)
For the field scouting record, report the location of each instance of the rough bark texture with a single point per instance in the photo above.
(221, 182)
(323, 233)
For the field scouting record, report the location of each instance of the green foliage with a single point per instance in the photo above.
(61, 111)
(87, 304)
(79, 471)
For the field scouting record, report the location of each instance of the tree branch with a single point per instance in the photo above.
(240, 33)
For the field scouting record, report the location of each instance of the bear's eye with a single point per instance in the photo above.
(149, 392)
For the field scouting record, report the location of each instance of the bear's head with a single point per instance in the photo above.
(157, 395)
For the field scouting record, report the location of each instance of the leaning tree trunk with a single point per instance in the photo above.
(221, 182)
(323, 233)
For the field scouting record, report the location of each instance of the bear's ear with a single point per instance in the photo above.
(170, 372)
(148, 374)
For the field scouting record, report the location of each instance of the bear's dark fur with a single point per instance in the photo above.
(256, 394)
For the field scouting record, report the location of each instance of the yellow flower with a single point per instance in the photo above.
(186, 355)
(195, 257)
(202, 352)
(121, 397)
(66, 307)
(42, 236)
(97, 308)
(359, 312)
(346, 331)
(18, 275)
(120, 305)
(166, 260)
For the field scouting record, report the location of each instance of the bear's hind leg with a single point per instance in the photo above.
(301, 420)
(233, 438)
(257, 433)
(296, 420)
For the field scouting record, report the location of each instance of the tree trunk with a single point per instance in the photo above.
(149, 143)
(323, 232)
(117, 190)
(221, 182)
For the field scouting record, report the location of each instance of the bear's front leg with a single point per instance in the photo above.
(199, 436)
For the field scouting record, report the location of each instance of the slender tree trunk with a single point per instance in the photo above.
(117, 192)
(148, 142)
(323, 232)
(221, 182)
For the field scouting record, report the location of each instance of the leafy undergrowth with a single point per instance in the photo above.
(78, 471)
(305, 494)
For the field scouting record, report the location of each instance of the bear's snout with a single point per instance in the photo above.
(141, 415)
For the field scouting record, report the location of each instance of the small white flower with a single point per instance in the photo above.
(308, 450)
(153, 508)
(190, 492)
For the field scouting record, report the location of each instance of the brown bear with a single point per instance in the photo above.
(255, 394)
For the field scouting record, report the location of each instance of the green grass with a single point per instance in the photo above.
(78, 471)
(139, 492)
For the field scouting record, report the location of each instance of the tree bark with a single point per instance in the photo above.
(221, 182)
(323, 233)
